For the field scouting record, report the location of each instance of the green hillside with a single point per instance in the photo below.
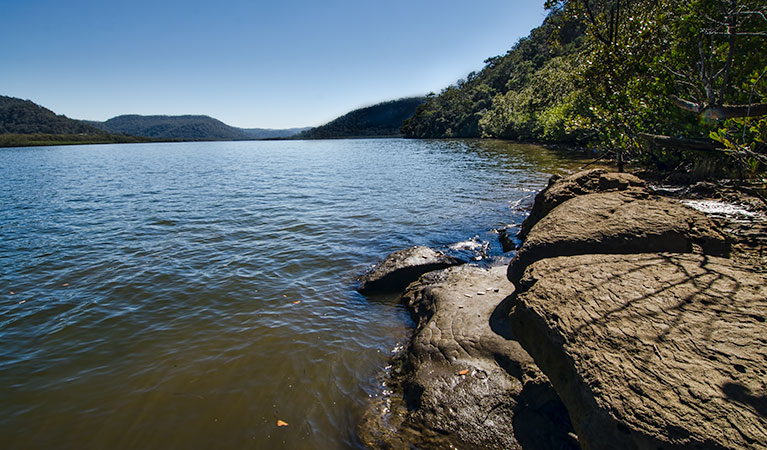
(188, 127)
(172, 127)
(381, 120)
(515, 95)
(24, 123)
(25, 117)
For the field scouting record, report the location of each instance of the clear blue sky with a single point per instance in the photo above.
(265, 64)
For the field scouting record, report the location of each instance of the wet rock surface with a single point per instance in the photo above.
(592, 181)
(402, 267)
(618, 222)
(651, 350)
(464, 381)
(506, 237)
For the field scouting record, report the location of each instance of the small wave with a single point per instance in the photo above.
(477, 248)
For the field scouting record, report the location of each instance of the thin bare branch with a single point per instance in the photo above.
(732, 26)
(739, 33)
(593, 20)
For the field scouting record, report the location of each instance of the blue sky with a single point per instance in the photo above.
(274, 64)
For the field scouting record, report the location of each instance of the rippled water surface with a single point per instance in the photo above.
(189, 295)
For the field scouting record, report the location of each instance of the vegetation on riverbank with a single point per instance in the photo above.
(616, 74)
(44, 139)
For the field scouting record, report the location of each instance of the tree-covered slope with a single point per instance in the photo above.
(19, 116)
(659, 82)
(172, 127)
(522, 94)
(381, 120)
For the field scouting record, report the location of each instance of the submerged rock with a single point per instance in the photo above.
(403, 267)
(506, 238)
(651, 351)
(464, 381)
(618, 222)
(592, 181)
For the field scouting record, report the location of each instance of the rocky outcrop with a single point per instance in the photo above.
(464, 381)
(403, 267)
(651, 351)
(592, 181)
(618, 222)
(650, 341)
(626, 319)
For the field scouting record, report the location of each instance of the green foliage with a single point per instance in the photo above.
(745, 138)
(606, 72)
(530, 93)
(381, 120)
(540, 109)
(653, 62)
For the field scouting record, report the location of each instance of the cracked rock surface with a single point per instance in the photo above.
(464, 381)
(618, 222)
(592, 181)
(651, 351)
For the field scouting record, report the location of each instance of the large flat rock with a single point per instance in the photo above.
(651, 351)
(592, 181)
(618, 222)
(464, 381)
(403, 267)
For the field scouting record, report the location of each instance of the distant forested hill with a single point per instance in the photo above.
(172, 127)
(187, 128)
(381, 120)
(25, 117)
(271, 133)
(23, 123)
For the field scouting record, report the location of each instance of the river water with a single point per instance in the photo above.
(190, 295)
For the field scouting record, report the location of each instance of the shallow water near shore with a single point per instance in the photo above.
(190, 295)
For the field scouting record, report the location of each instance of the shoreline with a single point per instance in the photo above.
(490, 365)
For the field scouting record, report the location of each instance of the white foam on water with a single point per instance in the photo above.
(722, 209)
(471, 244)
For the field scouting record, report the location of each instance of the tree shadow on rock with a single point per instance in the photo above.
(743, 395)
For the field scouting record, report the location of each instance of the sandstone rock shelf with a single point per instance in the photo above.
(634, 325)
(651, 350)
(464, 381)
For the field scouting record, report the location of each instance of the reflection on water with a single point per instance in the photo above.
(190, 295)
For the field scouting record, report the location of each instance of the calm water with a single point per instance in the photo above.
(150, 293)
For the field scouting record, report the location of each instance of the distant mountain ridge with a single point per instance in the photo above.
(380, 120)
(26, 117)
(273, 133)
(171, 127)
(187, 127)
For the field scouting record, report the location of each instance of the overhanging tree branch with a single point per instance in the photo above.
(722, 112)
